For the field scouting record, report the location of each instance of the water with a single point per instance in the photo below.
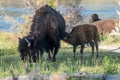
(15, 8)
(105, 11)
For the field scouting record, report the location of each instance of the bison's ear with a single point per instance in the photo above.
(19, 38)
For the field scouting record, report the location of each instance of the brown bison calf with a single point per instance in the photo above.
(82, 34)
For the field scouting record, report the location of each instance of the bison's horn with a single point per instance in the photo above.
(28, 42)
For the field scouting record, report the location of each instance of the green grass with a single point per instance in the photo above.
(8, 44)
(107, 63)
(110, 40)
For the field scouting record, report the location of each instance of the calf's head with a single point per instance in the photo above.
(69, 38)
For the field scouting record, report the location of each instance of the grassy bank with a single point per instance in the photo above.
(110, 40)
(108, 62)
(8, 43)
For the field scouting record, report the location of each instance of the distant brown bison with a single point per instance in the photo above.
(82, 34)
(93, 17)
(47, 29)
(105, 26)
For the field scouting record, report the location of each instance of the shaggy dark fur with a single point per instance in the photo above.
(27, 49)
(82, 34)
(47, 29)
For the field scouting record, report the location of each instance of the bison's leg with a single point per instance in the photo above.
(55, 51)
(82, 49)
(74, 51)
(92, 46)
(34, 57)
(36, 54)
(22, 55)
(96, 44)
(30, 57)
(41, 53)
(25, 55)
(49, 55)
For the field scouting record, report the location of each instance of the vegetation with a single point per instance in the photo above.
(112, 40)
(96, 2)
(8, 43)
(108, 62)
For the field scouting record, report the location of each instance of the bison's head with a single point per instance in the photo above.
(69, 39)
(94, 17)
(24, 47)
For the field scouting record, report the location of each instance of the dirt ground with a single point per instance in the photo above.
(111, 48)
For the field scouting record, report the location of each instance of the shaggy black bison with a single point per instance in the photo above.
(46, 30)
(82, 34)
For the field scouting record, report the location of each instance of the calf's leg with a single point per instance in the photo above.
(74, 51)
(92, 46)
(96, 44)
(82, 49)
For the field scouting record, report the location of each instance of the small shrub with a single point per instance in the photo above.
(101, 37)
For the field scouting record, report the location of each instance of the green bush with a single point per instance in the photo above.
(101, 37)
